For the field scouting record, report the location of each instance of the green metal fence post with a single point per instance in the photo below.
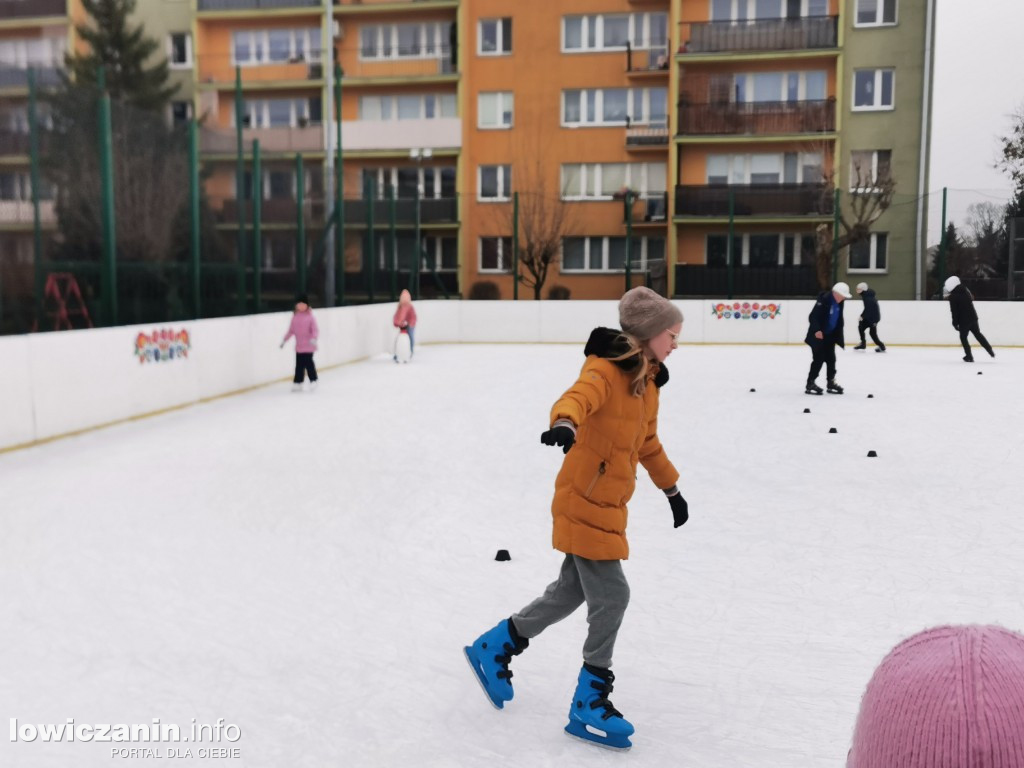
(257, 227)
(943, 245)
(414, 268)
(108, 275)
(193, 184)
(240, 165)
(339, 197)
(630, 197)
(300, 224)
(730, 250)
(515, 246)
(371, 241)
(393, 240)
(835, 238)
(37, 229)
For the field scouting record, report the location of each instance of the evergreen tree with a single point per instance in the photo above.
(123, 51)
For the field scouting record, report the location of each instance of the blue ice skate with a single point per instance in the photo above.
(592, 717)
(489, 656)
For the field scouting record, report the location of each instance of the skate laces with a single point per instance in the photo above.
(605, 689)
(510, 650)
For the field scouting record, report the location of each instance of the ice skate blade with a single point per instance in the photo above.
(580, 733)
(480, 680)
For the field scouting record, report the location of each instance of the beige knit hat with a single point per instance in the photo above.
(644, 313)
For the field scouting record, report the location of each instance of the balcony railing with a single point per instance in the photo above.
(754, 200)
(652, 59)
(757, 118)
(758, 282)
(254, 5)
(20, 9)
(219, 68)
(811, 32)
(444, 210)
(431, 62)
(305, 139)
(13, 143)
(647, 136)
(360, 3)
(17, 77)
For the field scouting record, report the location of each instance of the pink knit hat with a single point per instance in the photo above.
(950, 697)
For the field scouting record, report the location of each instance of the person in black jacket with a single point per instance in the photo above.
(869, 317)
(825, 330)
(965, 318)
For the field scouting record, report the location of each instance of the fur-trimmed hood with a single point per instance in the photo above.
(608, 343)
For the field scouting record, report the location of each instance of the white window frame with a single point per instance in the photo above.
(268, 256)
(740, 167)
(639, 260)
(873, 268)
(639, 32)
(432, 35)
(392, 102)
(260, 111)
(189, 105)
(591, 181)
(875, 107)
(744, 253)
(503, 171)
(597, 95)
(428, 179)
(501, 98)
(750, 7)
(260, 38)
(23, 52)
(783, 96)
(188, 63)
(499, 35)
(879, 15)
(502, 268)
(873, 181)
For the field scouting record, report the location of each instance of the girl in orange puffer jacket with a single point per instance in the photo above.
(605, 424)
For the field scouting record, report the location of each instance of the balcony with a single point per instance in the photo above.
(809, 33)
(646, 137)
(650, 210)
(19, 212)
(23, 9)
(653, 60)
(255, 5)
(284, 140)
(755, 282)
(219, 70)
(377, 6)
(274, 211)
(383, 135)
(762, 118)
(810, 200)
(443, 210)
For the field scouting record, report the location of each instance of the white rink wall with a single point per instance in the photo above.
(53, 384)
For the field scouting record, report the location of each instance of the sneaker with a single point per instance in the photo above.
(862, 345)
(834, 388)
(968, 359)
(880, 349)
(813, 389)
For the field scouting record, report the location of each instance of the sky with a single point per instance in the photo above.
(979, 60)
(309, 566)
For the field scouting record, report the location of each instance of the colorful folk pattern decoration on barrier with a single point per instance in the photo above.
(745, 310)
(162, 345)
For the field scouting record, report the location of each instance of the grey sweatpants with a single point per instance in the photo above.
(602, 584)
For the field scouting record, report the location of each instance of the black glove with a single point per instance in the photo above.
(680, 509)
(559, 435)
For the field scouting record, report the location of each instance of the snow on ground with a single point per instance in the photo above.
(309, 566)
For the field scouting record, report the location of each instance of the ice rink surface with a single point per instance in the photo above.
(309, 566)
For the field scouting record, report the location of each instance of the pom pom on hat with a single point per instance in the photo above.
(949, 696)
(861, 287)
(644, 313)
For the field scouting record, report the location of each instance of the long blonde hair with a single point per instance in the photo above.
(636, 349)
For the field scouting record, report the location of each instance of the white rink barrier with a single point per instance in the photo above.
(54, 384)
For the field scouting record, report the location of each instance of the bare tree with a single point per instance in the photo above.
(870, 196)
(544, 217)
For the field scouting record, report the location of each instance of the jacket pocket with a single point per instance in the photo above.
(593, 483)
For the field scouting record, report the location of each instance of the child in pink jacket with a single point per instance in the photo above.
(405, 319)
(303, 327)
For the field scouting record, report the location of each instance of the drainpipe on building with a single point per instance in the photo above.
(925, 132)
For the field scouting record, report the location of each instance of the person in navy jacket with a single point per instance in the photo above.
(824, 331)
(869, 318)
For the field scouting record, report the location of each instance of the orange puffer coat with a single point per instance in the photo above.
(615, 430)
